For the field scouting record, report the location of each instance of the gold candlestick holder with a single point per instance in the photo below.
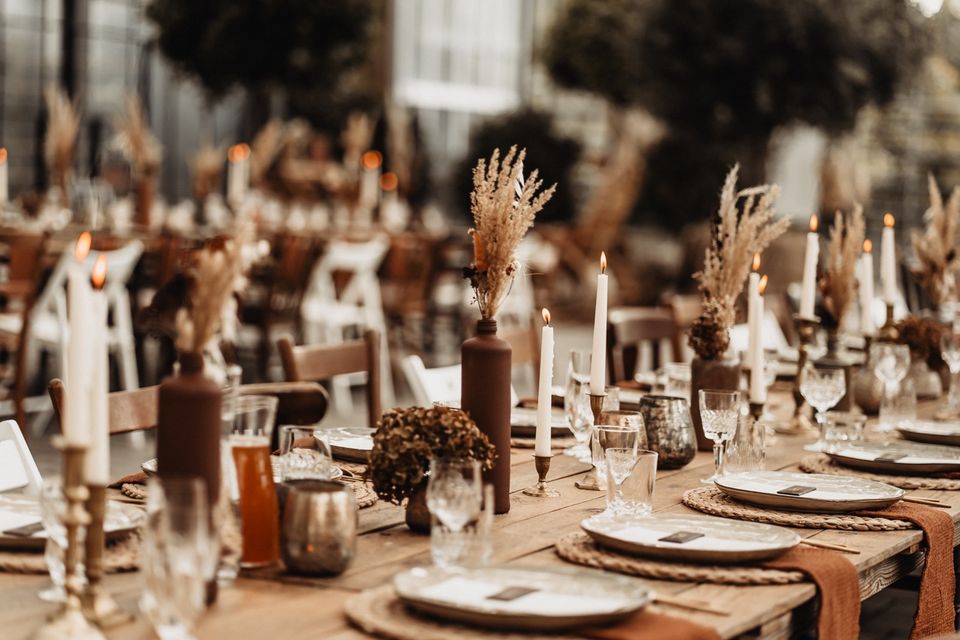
(69, 623)
(98, 605)
(540, 489)
(806, 331)
(590, 482)
(888, 332)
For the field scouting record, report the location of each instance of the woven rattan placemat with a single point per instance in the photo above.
(122, 555)
(823, 464)
(362, 491)
(579, 548)
(714, 502)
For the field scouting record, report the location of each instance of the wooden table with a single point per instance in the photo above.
(262, 609)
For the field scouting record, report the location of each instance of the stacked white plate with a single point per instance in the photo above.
(351, 443)
(23, 513)
(946, 433)
(523, 423)
(897, 457)
(808, 491)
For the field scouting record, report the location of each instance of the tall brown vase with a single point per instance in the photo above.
(723, 375)
(188, 430)
(485, 396)
(143, 191)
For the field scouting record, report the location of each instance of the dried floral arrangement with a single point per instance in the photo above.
(136, 141)
(207, 169)
(838, 284)
(407, 439)
(60, 143)
(923, 336)
(936, 246)
(213, 276)
(735, 236)
(504, 206)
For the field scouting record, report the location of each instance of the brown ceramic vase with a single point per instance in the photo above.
(721, 375)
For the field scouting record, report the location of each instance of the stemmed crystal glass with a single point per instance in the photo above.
(454, 498)
(822, 389)
(891, 362)
(618, 444)
(719, 413)
(950, 349)
(176, 559)
(576, 403)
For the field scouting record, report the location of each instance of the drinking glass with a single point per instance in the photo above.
(822, 389)
(719, 413)
(677, 380)
(634, 493)
(842, 427)
(305, 453)
(454, 497)
(950, 349)
(576, 403)
(611, 399)
(747, 450)
(176, 559)
(899, 407)
(250, 449)
(890, 363)
(52, 508)
(618, 445)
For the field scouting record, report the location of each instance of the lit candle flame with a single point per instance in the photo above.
(99, 275)
(82, 249)
(867, 246)
(756, 262)
(371, 160)
(238, 152)
(814, 221)
(603, 262)
(389, 181)
(3, 155)
(546, 316)
(762, 285)
(888, 219)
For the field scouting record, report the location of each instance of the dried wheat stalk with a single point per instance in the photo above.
(936, 247)
(213, 274)
(735, 238)
(60, 143)
(838, 284)
(137, 143)
(500, 218)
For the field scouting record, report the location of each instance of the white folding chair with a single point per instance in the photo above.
(440, 384)
(18, 470)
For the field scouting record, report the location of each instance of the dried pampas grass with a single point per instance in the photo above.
(936, 247)
(838, 285)
(136, 141)
(60, 143)
(502, 213)
(735, 237)
(213, 274)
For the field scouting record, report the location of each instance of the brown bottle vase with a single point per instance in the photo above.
(485, 396)
(188, 430)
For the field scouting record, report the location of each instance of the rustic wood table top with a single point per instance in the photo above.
(256, 608)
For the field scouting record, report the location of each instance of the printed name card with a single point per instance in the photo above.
(796, 490)
(681, 537)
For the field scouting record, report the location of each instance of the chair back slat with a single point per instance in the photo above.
(630, 327)
(134, 410)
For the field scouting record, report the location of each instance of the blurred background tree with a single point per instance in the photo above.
(724, 76)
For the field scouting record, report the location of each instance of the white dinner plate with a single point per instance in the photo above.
(353, 444)
(808, 491)
(150, 468)
(897, 457)
(523, 423)
(24, 511)
(517, 598)
(690, 538)
(946, 433)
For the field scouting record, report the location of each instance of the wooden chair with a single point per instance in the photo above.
(525, 346)
(628, 328)
(321, 362)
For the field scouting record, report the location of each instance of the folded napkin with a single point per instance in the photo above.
(134, 478)
(837, 583)
(647, 625)
(935, 612)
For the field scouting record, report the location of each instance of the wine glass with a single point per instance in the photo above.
(890, 363)
(454, 497)
(822, 389)
(618, 444)
(950, 349)
(176, 558)
(719, 413)
(576, 403)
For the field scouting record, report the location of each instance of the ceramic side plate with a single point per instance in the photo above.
(808, 491)
(898, 457)
(522, 599)
(946, 433)
(523, 424)
(690, 538)
(18, 512)
(353, 444)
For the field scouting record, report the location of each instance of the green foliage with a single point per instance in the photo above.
(552, 154)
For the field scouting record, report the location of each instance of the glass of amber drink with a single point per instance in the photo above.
(250, 447)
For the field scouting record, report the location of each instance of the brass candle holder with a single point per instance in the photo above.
(806, 331)
(540, 489)
(888, 332)
(98, 605)
(69, 623)
(590, 482)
